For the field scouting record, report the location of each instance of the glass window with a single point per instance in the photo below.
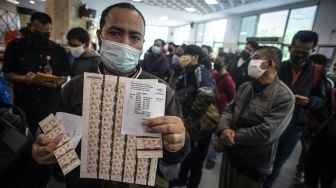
(209, 34)
(181, 34)
(152, 33)
(200, 32)
(272, 24)
(299, 19)
(285, 53)
(247, 27)
(220, 30)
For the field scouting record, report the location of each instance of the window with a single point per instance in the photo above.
(153, 33)
(299, 19)
(211, 34)
(199, 33)
(181, 34)
(247, 27)
(272, 24)
(284, 24)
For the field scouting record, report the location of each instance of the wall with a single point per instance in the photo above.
(325, 22)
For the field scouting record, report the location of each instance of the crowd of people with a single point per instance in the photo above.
(262, 105)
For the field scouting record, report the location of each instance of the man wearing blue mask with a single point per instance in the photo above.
(122, 29)
(155, 61)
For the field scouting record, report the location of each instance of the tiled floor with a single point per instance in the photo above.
(210, 178)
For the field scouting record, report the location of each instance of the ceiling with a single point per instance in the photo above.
(155, 10)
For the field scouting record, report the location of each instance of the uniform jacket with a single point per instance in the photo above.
(258, 119)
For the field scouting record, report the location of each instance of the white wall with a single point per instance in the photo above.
(325, 22)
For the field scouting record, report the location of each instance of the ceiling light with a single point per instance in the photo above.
(32, 2)
(211, 2)
(42, 0)
(137, 0)
(13, 1)
(190, 9)
(163, 18)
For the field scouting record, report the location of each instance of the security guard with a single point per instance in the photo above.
(37, 98)
(24, 58)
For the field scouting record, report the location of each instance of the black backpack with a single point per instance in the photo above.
(15, 137)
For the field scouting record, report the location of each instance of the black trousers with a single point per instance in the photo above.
(321, 161)
(193, 164)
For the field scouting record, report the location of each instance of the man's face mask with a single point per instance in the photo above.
(254, 70)
(156, 49)
(185, 60)
(119, 57)
(77, 51)
(245, 55)
(39, 38)
(298, 59)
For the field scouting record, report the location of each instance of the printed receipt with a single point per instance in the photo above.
(142, 101)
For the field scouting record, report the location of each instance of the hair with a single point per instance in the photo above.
(171, 43)
(253, 43)
(207, 47)
(319, 59)
(78, 33)
(162, 41)
(41, 17)
(194, 50)
(118, 5)
(273, 53)
(305, 36)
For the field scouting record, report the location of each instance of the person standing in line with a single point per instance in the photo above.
(253, 122)
(297, 74)
(121, 33)
(86, 60)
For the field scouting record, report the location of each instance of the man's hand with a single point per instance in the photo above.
(29, 77)
(172, 129)
(227, 137)
(43, 149)
(301, 100)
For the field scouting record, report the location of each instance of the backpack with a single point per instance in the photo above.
(204, 122)
(318, 119)
(15, 136)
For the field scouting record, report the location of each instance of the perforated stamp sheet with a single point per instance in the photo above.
(107, 153)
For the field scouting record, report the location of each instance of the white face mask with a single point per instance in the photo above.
(119, 57)
(77, 51)
(254, 70)
(156, 50)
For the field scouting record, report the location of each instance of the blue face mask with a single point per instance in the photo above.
(119, 57)
(156, 50)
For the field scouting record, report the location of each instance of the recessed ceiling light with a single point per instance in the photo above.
(137, 0)
(13, 1)
(163, 18)
(32, 2)
(211, 2)
(190, 9)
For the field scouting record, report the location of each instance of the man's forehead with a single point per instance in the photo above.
(123, 16)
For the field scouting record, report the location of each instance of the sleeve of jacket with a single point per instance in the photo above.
(225, 120)
(231, 87)
(273, 124)
(318, 97)
(9, 63)
(173, 109)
